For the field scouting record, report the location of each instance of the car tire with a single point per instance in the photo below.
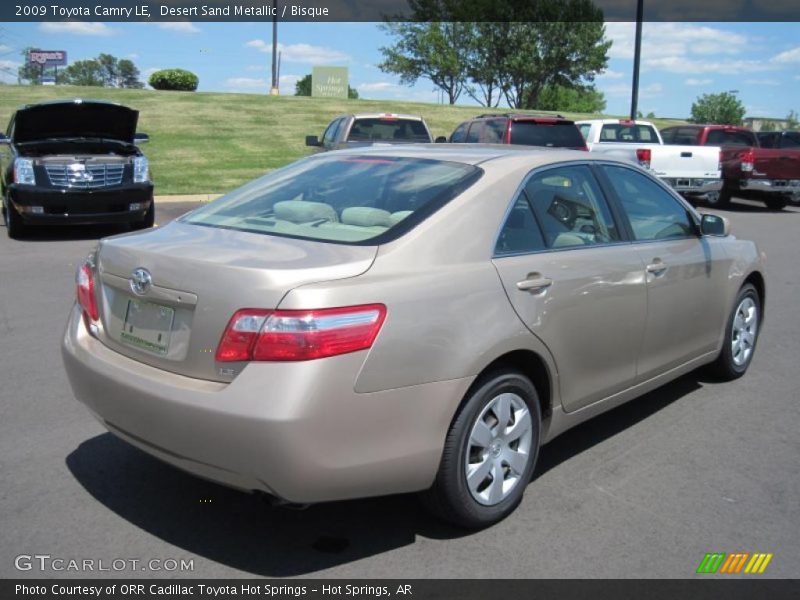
(776, 203)
(723, 199)
(149, 219)
(14, 225)
(477, 445)
(741, 335)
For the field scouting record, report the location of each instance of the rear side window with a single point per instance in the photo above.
(520, 233)
(628, 133)
(570, 208)
(459, 134)
(387, 130)
(652, 212)
(791, 140)
(552, 135)
(493, 131)
(344, 199)
(585, 129)
(720, 137)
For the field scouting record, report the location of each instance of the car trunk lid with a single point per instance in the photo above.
(166, 295)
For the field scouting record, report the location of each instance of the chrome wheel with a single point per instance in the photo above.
(498, 449)
(712, 198)
(744, 331)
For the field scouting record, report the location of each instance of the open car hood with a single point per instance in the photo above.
(75, 118)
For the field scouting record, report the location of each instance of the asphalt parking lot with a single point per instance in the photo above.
(643, 491)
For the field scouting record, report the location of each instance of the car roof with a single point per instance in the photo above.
(378, 115)
(615, 122)
(521, 116)
(471, 154)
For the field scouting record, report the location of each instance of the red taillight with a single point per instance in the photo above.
(293, 335)
(85, 291)
(748, 158)
(643, 156)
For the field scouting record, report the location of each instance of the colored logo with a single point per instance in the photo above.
(734, 563)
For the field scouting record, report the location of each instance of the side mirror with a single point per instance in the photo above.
(715, 225)
(140, 138)
(312, 140)
(4, 139)
(440, 140)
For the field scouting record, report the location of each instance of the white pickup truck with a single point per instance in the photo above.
(693, 171)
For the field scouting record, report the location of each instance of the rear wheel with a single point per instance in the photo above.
(741, 335)
(14, 225)
(490, 452)
(776, 202)
(723, 199)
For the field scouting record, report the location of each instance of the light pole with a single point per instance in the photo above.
(274, 89)
(637, 55)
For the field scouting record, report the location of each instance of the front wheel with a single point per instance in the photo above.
(741, 335)
(14, 225)
(776, 202)
(490, 452)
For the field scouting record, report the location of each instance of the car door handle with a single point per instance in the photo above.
(657, 267)
(534, 283)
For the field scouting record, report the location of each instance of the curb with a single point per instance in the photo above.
(186, 198)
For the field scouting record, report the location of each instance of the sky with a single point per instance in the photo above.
(680, 61)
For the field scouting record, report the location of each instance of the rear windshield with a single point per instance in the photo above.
(388, 130)
(628, 133)
(345, 199)
(554, 135)
(720, 137)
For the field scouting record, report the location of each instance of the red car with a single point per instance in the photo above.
(550, 131)
(771, 175)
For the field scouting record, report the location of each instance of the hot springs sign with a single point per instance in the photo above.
(329, 82)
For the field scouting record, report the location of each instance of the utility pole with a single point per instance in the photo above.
(637, 55)
(274, 89)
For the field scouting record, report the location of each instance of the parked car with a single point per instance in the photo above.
(399, 319)
(771, 175)
(75, 162)
(527, 130)
(781, 139)
(359, 130)
(691, 171)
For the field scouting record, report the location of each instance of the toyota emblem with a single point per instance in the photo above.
(140, 281)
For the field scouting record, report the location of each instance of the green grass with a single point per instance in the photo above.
(211, 142)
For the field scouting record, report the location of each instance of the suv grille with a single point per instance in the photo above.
(90, 176)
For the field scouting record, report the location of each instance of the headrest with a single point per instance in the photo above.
(398, 216)
(365, 216)
(301, 211)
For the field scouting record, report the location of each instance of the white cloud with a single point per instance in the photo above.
(4, 48)
(289, 80)
(674, 39)
(624, 90)
(762, 82)
(77, 28)
(695, 81)
(179, 26)
(252, 68)
(133, 56)
(683, 65)
(787, 57)
(302, 53)
(611, 74)
(247, 84)
(378, 86)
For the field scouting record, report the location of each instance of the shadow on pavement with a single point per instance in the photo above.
(242, 532)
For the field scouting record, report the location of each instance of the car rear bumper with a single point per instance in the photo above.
(693, 185)
(771, 186)
(71, 207)
(297, 431)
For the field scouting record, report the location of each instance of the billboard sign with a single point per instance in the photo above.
(47, 58)
(329, 82)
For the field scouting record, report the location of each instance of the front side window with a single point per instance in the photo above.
(459, 134)
(652, 211)
(493, 131)
(570, 208)
(330, 133)
(345, 199)
(473, 136)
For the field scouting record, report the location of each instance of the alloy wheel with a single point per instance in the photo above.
(744, 331)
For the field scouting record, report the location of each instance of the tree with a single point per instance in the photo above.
(27, 72)
(581, 99)
(303, 88)
(128, 75)
(437, 51)
(791, 120)
(85, 72)
(724, 108)
(109, 66)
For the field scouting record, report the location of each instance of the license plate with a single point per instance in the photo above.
(148, 326)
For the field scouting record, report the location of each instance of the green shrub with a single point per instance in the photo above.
(174, 79)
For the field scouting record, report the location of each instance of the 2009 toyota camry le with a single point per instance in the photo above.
(397, 319)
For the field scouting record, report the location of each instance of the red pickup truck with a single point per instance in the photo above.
(771, 175)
